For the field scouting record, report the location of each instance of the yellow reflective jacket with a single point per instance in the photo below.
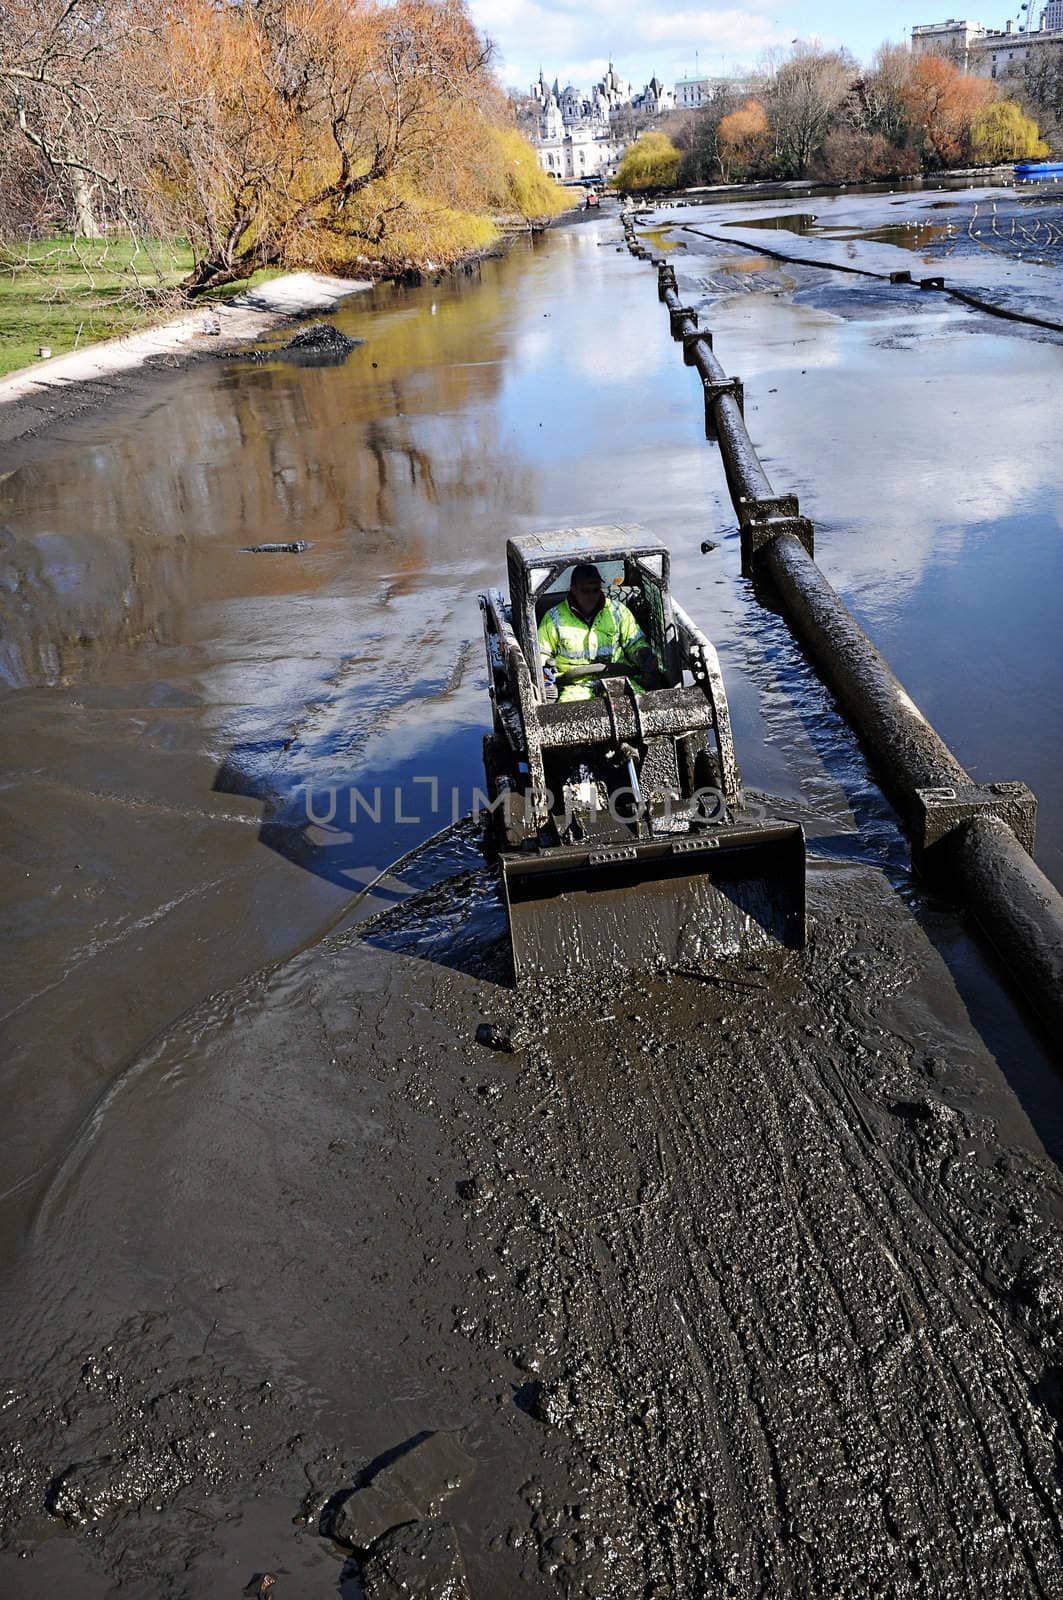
(613, 635)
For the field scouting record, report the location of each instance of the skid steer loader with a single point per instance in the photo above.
(619, 819)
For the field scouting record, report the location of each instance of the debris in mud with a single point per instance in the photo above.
(550, 1403)
(492, 1037)
(323, 336)
(422, 1559)
(411, 1486)
(370, 1512)
(478, 1191)
(294, 547)
(261, 1586)
(321, 345)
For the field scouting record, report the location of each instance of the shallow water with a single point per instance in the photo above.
(211, 754)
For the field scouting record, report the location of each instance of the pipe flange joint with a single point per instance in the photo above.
(690, 339)
(752, 508)
(678, 315)
(756, 536)
(714, 389)
(939, 813)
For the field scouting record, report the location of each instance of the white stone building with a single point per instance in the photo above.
(993, 52)
(951, 38)
(654, 99)
(575, 135)
(573, 138)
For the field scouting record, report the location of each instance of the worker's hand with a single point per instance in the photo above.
(648, 672)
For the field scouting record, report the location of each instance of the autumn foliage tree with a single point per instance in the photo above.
(943, 103)
(313, 129)
(743, 140)
(267, 132)
(652, 162)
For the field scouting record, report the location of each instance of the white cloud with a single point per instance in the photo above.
(575, 39)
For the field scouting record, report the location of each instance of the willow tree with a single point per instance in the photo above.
(307, 129)
(652, 162)
(1003, 132)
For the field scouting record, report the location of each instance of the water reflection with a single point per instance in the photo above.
(170, 698)
(909, 235)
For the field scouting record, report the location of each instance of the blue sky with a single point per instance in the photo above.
(575, 38)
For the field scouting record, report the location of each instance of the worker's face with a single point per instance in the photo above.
(587, 593)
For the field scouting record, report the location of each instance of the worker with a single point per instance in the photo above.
(589, 627)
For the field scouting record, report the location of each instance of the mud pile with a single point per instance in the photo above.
(320, 345)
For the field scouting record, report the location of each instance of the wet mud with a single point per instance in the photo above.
(740, 1281)
(333, 1263)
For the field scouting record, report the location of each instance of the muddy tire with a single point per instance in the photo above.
(507, 827)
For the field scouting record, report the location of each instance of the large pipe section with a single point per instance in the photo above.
(980, 836)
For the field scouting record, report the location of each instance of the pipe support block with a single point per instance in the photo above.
(938, 812)
(714, 389)
(765, 530)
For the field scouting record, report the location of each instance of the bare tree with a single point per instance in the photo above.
(883, 93)
(67, 88)
(809, 90)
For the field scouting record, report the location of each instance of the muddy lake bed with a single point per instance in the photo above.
(731, 1282)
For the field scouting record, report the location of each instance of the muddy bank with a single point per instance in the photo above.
(38, 397)
(745, 1282)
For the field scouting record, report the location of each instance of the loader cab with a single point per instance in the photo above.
(635, 573)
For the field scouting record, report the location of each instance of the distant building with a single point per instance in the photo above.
(654, 99)
(993, 52)
(575, 136)
(951, 38)
(690, 93)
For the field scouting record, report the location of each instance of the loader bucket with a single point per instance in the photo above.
(657, 902)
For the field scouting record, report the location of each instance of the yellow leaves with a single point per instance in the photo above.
(521, 187)
(748, 122)
(331, 130)
(652, 162)
(1002, 132)
(943, 103)
(742, 138)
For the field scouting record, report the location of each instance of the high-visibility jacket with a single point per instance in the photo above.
(612, 635)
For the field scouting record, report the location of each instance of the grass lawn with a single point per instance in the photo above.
(56, 293)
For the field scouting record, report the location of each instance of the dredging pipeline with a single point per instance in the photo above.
(977, 837)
